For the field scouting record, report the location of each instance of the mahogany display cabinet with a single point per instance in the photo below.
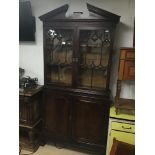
(77, 60)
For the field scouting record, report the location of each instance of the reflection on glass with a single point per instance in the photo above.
(60, 50)
(94, 57)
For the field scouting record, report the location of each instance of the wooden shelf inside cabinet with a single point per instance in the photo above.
(125, 106)
(126, 73)
(91, 45)
(95, 67)
(60, 64)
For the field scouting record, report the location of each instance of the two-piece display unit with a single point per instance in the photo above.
(77, 60)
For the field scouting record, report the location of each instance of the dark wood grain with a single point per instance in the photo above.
(89, 121)
(57, 114)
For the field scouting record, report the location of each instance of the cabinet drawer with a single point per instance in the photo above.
(129, 70)
(124, 127)
(130, 55)
(127, 54)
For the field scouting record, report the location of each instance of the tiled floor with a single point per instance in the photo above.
(52, 150)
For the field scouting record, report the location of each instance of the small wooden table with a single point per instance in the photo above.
(30, 121)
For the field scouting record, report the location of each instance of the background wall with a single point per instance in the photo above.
(31, 54)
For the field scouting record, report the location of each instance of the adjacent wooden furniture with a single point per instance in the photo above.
(77, 60)
(121, 133)
(126, 72)
(30, 118)
(121, 148)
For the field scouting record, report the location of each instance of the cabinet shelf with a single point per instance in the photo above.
(59, 64)
(91, 45)
(93, 66)
(125, 104)
(92, 88)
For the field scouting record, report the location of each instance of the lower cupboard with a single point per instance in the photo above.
(76, 119)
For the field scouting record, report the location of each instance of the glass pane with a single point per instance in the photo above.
(94, 57)
(59, 45)
(99, 79)
(85, 78)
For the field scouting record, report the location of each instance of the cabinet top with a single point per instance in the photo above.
(95, 14)
(31, 92)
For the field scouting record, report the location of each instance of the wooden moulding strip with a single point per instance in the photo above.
(28, 126)
(121, 69)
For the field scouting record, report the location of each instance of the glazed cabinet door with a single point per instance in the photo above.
(95, 46)
(58, 52)
(57, 115)
(89, 122)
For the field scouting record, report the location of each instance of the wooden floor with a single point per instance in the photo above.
(52, 150)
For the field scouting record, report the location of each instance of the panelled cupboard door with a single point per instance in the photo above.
(89, 122)
(57, 114)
